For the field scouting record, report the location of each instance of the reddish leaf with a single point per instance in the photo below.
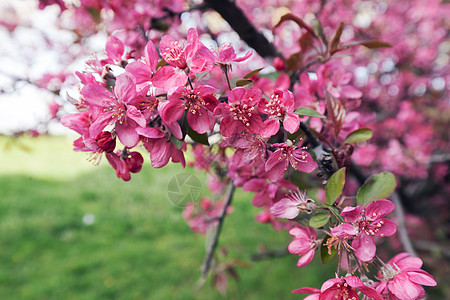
(250, 74)
(297, 20)
(368, 44)
(232, 273)
(336, 112)
(220, 282)
(243, 82)
(337, 37)
(294, 61)
(305, 41)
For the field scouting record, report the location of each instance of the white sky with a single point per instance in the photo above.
(25, 54)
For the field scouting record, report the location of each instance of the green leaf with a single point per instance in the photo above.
(197, 137)
(335, 185)
(296, 19)
(319, 220)
(161, 63)
(336, 212)
(318, 29)
(177, 142)
(362, 134)
(95, 14)
(303, 218)
(250, 74)
(376, 187)
(324, 255)
(242, 82)
(308, 111)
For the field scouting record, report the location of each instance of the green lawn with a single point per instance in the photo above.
(138, 247)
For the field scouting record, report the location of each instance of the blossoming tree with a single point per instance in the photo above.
(313, 98)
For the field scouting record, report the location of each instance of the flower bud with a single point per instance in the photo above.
(105, 141)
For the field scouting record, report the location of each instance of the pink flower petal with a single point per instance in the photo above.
(365, 247)
(291, 123)
(352, 214)
(134, 114)
(151, 56)
(421, 277)
(379, 209)
(114, 48)
(285, 208)
(270, 128)
(168, 77)
(306, 259)
(125, 88)
(150, 132)
(140, 71)
(172, 111)
(403, 288)
(97, 95)
(303, 161)
(387, 227)
(275, 158)
(126, 132)
(300, 246)
(201, 121)
(299, 233)
(236, 94)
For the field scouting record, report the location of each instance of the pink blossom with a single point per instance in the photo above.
(241, 114)
(266, 193)
(279, 108)
(199, 102)
(144, 68)
(44, 3)
(125, 162)
(115, 109)
(114, 50)
(344, 288)
(304, 244)
(179, 57)
(224, 55)
(248, 147)
(402, 278)
(279, 161)
(366, 222)
(160, 146)
(290, 206)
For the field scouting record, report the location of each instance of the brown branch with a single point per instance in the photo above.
(239, 22)
(206, 267)
(270, 254)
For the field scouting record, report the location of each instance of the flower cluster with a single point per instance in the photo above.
(259, 136)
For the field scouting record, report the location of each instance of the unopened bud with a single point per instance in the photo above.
(105, 141)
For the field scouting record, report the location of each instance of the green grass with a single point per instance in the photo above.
(139, 246)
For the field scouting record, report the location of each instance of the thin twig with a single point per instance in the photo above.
(324, 158)
(206, 267)
(270, 254)
(401, 226)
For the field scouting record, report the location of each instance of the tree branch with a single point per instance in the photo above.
(206, 267)
(270, 254)
(325, 160)
(239, 22)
